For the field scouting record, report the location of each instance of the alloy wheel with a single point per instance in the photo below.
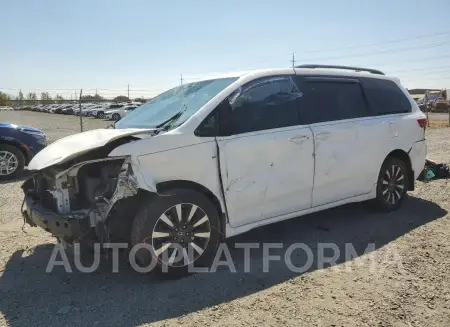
(393, 184)
(181, 235)
(8, 163)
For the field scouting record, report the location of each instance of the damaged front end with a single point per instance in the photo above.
(73, 203)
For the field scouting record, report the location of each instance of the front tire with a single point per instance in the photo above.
(101, 115)
(12, 161)
(391, 185)
(182, 227)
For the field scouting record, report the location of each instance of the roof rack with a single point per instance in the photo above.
(357, 69)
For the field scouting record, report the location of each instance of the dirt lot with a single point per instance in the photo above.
(411, 291)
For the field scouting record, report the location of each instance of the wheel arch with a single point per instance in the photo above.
(168, 185)
(402, 155)
(17, 145)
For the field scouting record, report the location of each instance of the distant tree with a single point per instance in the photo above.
(121, 98)
(59, 98)
(31, 97)
(20, 97)
(4, 99)
(92, 98)
(46, 98)
(141, 100)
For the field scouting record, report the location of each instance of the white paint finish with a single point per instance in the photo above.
(267, 173)
(418, 155)
(338, 157)
(75, 145)
(193, 163)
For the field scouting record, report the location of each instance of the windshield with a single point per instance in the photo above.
(182, 102)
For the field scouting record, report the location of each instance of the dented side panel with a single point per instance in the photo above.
(196, 163)
(267, 173)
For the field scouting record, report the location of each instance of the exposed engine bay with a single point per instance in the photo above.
(73, 200)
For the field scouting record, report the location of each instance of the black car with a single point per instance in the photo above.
(18, 144)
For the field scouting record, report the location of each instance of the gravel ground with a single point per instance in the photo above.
(438, 116)
(404, 281)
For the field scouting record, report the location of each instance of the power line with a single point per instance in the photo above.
(420, 69)
(384, 63)
(379, 43)
(419, 47)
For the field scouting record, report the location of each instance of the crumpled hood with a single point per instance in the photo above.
(75, 145)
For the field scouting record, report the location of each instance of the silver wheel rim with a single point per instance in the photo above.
(116, 117)
(181, 235)
(8, 163)
(393, 184)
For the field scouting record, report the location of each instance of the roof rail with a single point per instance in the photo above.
(357, 69)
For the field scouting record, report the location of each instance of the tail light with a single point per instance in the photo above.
(422, 122)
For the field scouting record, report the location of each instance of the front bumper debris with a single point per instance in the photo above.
(67, 226)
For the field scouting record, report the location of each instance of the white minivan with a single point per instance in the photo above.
(212, 159)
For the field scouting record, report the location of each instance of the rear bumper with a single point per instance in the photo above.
(418, 155)
(68, 226)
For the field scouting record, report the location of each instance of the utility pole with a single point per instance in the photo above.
(81, 113)
(128, 90)
(293, 60)
(181, 79)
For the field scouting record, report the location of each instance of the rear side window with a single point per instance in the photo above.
(384, 97)
(327, 100)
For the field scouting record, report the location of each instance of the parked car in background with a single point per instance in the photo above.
(117, 114)
(100, 111)
(429, 99)
(216, 158)
(6, 108)
(420, 102)
(18, 145)
(441, 103)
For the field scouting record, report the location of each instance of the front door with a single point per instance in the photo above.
(267, 165)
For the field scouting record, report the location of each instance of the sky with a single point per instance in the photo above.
(104, 45)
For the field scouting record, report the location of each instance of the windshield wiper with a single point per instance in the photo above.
(172, 119)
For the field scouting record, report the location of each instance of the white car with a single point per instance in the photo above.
(212, 159)
(117, 114)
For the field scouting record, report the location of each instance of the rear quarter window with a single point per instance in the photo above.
(384, 97)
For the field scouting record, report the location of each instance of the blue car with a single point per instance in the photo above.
(18, 144)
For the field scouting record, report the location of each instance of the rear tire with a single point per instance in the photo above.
(116, 117)
(101, 115)
(392, 185)
(182, 227)
(11, 156)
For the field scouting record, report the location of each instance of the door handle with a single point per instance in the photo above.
(323, 135)
(299, 139)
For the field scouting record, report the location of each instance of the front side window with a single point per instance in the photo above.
(264, 104)
(173, 107)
